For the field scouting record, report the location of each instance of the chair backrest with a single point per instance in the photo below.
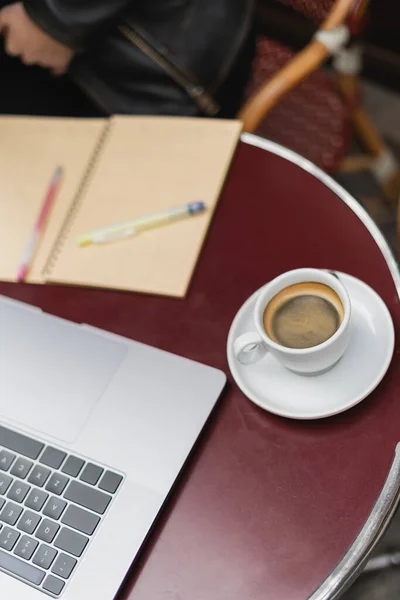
(315, 9)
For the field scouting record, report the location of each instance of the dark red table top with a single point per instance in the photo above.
(266, 506)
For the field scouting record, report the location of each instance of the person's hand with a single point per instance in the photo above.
(25, 39)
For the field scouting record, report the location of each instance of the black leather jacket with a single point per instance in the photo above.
(150, 56)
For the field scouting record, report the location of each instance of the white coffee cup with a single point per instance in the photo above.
(252, 346)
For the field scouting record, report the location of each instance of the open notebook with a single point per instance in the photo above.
(114, 170)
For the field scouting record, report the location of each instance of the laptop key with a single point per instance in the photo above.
(18, 491)
(87, 497)
(64, 566)
(28, 522)
(52, 457)
(54, 507)
(39, 476)
(71, 542)
(47, 530)
(26, 547)
(80, 519)
(20, 443)
(8, 538)
(73, 466)
(2, 503)
(57, 483)
(21, 468)
(36, 499)
(5, 482)
(45, 556)
(53, 585)
(10, 513)
(91, 474)
(19, 568)
(6, 460)
(110, 482)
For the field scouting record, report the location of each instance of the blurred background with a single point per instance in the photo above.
(286, 25)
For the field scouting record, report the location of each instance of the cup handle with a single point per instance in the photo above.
(249, 348)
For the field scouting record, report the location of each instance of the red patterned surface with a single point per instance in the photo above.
(312, 119)
(315, 9)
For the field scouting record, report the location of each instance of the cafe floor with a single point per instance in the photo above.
(384, 107)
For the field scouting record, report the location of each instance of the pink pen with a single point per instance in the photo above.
(31, 246)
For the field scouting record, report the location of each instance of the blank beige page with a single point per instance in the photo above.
(149, 164)
(30, 151)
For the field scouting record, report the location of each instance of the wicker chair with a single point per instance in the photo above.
(292, 101)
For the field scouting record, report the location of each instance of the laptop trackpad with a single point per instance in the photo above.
(52, 372)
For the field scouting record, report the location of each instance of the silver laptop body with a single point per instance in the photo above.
(94, 429)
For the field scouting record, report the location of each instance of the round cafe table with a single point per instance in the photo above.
(266, 506)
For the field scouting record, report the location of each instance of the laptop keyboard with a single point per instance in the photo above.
(51, 504)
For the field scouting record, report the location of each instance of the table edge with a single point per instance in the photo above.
(353, 562)
(346, 197)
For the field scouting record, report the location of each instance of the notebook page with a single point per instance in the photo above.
(30, 151)
(149, 164)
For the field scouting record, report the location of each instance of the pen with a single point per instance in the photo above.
(123, 230)
(34, 239)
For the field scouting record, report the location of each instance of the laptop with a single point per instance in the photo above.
(94, 430)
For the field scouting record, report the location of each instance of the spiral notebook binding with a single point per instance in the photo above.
(76, 202)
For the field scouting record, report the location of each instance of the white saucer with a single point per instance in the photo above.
(365, 362)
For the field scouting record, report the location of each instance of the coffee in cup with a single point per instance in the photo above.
(303, 315)
(302, 318)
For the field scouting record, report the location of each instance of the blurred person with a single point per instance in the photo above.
(171, 57)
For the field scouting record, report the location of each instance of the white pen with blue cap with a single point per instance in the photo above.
(119, 231)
